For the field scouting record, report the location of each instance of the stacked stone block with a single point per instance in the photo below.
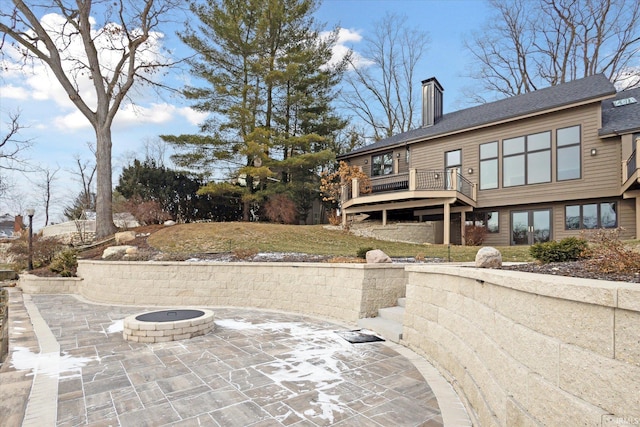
(529, 349)
(153, 332)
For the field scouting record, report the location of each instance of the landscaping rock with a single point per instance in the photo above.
(377, 256)
(115, 250)
(169, 223)
(488, 257)
(124, 237)
(131, 251)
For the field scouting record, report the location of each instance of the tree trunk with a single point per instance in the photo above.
(104, 213)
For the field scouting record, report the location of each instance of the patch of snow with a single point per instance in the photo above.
(117, 326)
(312, 364)
(50, 364)
(234, 324)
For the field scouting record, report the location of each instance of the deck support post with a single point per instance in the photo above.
(446, 238)
(637, 217)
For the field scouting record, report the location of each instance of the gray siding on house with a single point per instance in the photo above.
(601, 171)
(626, 220)
(601, 174)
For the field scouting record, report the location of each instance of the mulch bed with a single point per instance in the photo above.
(574, 269)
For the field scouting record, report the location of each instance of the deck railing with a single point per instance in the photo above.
(430, 180)
(398, 182)
(631, 164)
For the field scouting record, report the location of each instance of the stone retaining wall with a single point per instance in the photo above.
(412, 232)
(529, 349)
(523, 349)
(346, 292)
(31, 284)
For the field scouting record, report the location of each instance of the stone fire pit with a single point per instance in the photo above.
(167, 325)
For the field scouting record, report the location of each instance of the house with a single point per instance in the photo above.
(10, 226)
(531, 168)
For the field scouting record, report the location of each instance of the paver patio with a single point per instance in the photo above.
(257, 368)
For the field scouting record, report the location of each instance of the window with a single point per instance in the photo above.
(526, 159)
(590, 216)
(489, 220)
(568, 153)
(489, 165)
(382, 164)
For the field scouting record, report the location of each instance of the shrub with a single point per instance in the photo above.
(146, 211)
(245, 254)
(44, 249)
(280, 209)
(334, 218)
(362, 252)
(567, 249)
(65, 263)
(474, 235)
(608, 254)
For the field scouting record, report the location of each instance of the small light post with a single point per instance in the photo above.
(30, 213)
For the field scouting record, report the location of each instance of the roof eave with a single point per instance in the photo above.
(482, 125)
(610, 133)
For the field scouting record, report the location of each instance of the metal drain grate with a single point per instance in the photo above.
(357, 336)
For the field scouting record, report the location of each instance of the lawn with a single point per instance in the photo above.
(308, 239)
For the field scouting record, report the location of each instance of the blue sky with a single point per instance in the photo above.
(60, 134)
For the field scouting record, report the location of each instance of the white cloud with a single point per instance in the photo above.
(346, 35)
(13, 92)
(194, 117)
(133, 115)
(71, 122)
(346, 42)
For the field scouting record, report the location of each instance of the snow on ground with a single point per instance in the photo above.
(311, 365)
(50, 364)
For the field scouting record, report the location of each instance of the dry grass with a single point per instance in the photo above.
(243, 237)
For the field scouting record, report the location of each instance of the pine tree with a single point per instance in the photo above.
(268, 87)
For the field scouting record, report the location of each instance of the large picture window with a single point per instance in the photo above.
(526, 159)
(591, 216)
(568, 153)
(489, 165)
(382, 164)
(489, 220)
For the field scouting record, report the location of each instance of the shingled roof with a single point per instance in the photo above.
(577, 91)
(624, 118)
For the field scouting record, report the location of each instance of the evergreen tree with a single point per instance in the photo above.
(175, 192)
(269, 86)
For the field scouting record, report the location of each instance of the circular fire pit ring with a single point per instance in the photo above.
(167, 325)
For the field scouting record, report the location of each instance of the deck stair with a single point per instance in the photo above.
(388, 323)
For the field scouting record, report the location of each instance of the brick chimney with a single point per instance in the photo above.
(17, 224)
(431, 101)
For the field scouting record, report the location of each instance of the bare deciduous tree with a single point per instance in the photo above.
(84, 174)
(381, 82)
(45, 185)
(122, 52)
(11, 147)
(529, 44)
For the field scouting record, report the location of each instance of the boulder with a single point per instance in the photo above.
(376, 256)
(131, 250)
(115, 250)
(488, 257)
(169, 223)
(124, 237)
